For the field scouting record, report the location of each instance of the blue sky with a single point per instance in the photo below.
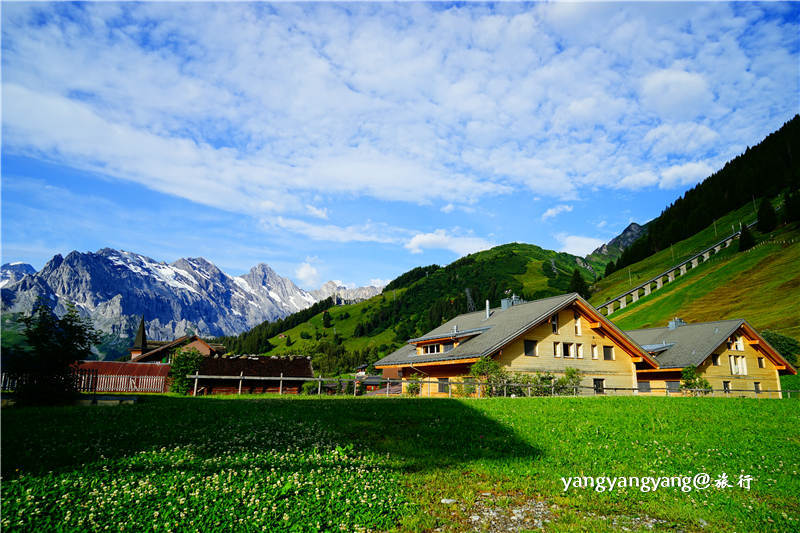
(356, 141)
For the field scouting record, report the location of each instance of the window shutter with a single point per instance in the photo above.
(732, 359)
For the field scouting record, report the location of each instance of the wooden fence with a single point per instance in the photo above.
(132, 384)
(393, 387)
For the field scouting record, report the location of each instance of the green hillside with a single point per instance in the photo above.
(417, 302)
(627, 278)
(761, 285)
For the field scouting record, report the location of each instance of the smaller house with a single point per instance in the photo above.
(146, 351)
(253, 366)
(730, 354)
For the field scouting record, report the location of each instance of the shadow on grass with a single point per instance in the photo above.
(417, 433)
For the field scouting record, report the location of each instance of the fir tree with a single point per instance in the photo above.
(767, 220)
(578, 284)
(746, 240)
(610, 268)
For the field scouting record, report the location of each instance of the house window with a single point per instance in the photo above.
(530, 348)
(715, 359)
(430, 348)
(608, 353)
(644, 386)
(554, 322)
(580, 350)
(740, 344)
(556, 349)
(726, 387)
(577, 324)
(673, 386)
(444, 384)
(757, 386)
(599, 386)
(738, 365)
(760, 362)
(594, 351)
(567, 351)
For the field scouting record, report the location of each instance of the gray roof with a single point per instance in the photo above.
(690, 344)
(501, 326)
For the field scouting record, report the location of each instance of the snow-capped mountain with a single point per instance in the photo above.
(344, 293)
(115, 288)
(13, 272)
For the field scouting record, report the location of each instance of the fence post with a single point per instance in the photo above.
(505, 388)
(195, 385)
(388, 385)
(280, 385)
(319, 387)
(449, 389)
(429, 388)
(240, 381)
(355, 387)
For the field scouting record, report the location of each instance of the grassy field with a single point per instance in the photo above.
(303, 464)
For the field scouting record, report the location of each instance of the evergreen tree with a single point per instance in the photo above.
(767, 219)
(746, 240)
(791, 207)
(578, 284)
(326, 319)
(53, 344)
(610, 268)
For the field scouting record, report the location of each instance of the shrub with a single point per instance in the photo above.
(413, 387)
(310, 387)
(691, 381)
(465, 388)
(305, 335)
(184, 362)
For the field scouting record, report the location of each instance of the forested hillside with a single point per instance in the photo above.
(761, 171)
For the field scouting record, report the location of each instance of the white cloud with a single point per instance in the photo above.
(577, 244)
(444, 240)
(685, 174)
(307, 274)
(683, 138)
(319, 212)
(367, 232)
(638, 180)
(556, 210)
(378, 282)
(676, 94)
(447, 208)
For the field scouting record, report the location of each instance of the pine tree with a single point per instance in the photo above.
(746, 240)
(767, 219)
(578, 284)
(326, 319)
(610, 268)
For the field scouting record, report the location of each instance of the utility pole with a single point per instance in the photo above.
(715, 227)
(673, 253)
(754, 204)
(630, 281)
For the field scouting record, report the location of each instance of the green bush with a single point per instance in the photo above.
(690, 381)
(413, 387)
(310, 388)
(184, 362)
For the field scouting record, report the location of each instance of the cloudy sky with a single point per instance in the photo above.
(356, 141)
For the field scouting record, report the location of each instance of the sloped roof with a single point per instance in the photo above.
(502, 326)
(257, 366)
(162, 350)
(691, 344)
(117, 368)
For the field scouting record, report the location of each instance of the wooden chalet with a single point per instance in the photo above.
(146, 351)
(547, 335)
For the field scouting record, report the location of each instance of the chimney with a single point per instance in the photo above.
(487, 309)
(675, 323)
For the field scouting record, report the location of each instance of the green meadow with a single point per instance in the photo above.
(385, 464)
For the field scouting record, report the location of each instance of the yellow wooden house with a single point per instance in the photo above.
(730, 354)
(547, 335)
